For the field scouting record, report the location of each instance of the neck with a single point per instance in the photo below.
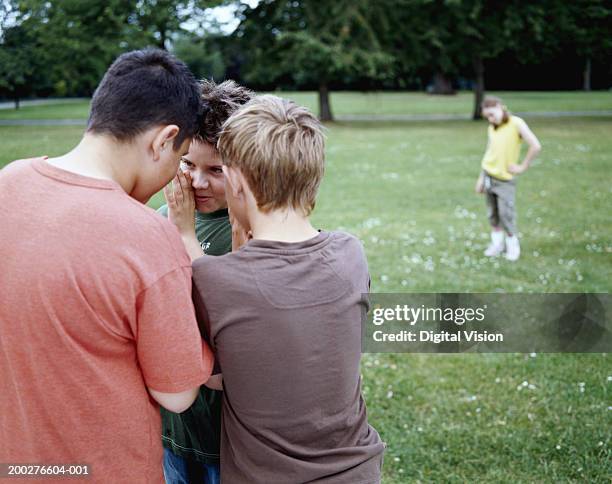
(283, 225)
(99, 157)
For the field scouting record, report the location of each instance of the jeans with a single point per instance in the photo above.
(178, 470)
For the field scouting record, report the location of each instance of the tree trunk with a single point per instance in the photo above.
(325, 113)
(162, 38)
(16, 102)
(479, 87)
(442, 84)
(586, 75)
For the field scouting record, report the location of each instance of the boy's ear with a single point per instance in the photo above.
(163, 139)
(234, 179)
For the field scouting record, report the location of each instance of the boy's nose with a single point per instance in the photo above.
(200, 181)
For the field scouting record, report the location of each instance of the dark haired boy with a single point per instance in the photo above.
(191, 439)
(96, 318)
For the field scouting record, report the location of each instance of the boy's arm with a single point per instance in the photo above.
(534, 148)
(181, 212)
(215, 382)
(175, 402)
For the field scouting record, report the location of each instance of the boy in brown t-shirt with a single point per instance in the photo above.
(284, 312)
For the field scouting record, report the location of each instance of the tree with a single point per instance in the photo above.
(295, 40)
(587, 24)
(17, 64)
(450, 37)
(201, 54)
(63, 47)
(160, 19)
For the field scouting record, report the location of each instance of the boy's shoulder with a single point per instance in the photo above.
(337, 245)
(16, 167)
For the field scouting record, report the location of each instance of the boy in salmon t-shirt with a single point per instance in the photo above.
(96, 320)
(284, 312)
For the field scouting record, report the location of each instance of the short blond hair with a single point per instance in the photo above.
(279, 147)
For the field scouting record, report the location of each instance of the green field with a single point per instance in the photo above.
(406, 189)
(377, 103)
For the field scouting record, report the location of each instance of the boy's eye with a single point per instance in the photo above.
(186, 162)
(216, 169)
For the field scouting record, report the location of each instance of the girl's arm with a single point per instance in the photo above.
(534, 148)
(181, 212)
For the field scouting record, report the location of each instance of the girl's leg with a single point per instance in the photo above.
(496, 246)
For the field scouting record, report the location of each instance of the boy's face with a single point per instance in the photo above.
(203, 163)
(493, 114)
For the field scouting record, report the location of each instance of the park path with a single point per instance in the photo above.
(350, 117)
(41, 102)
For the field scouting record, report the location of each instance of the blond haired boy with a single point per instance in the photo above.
(284, 312)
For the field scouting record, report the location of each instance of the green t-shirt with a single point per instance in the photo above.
(196, 433)
(213, 230)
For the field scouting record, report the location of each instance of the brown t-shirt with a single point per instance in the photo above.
(95, 306)
(285, 322)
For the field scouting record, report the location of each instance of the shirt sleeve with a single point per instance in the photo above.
(171, 353)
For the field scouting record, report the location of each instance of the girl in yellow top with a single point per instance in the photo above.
(499, 167)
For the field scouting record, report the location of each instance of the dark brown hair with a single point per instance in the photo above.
(143, 89)
(223, 100)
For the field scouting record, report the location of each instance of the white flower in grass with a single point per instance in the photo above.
(384, 278)
(558, 447)
(610, 378)
(396, 459)
(419, 429)
(390, 394)
(533, 355)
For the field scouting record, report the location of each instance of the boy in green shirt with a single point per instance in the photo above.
(191, 439)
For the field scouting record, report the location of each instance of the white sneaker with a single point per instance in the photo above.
(496, 246)
(513, 248)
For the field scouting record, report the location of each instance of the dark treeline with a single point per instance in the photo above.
(62, 47)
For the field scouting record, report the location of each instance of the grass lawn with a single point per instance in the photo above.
(377, 103)
(406, 189)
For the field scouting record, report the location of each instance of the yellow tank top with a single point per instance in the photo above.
(503, 149)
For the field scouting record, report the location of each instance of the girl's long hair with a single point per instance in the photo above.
(492, 101)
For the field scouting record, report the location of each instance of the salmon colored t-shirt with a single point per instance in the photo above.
(95, 306)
